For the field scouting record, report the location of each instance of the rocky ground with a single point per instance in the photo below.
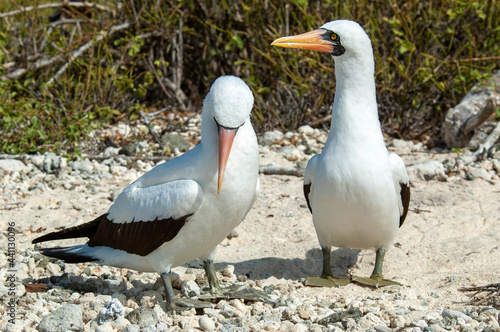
(450, 240)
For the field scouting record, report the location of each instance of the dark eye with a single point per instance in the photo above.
(333, 36)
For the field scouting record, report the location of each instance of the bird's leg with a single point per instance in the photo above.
(176, 304)
(376, 279)
(326, 279)
(379, 262)
(327, 265)
(213, 281)
(232, 292)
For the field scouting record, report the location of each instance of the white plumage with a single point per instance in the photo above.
(175, 212)
(358, 193)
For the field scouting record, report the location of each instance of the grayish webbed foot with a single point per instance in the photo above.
(327, 281)
(182, 304)
(235, 291)
(375, 281)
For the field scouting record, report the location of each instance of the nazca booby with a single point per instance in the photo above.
(182, 209)
(357, 191)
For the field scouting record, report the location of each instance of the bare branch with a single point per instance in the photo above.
(477, 119)
(279, 170)
(155, 135)
(56, 5)
(77, 53)
(18, 73)
(484, 148)
(41, 63)
(165, 82)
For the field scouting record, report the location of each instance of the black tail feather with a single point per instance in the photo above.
(85, 230)
(67, 255)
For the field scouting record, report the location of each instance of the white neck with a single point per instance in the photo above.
(354, 114)
(209, 132)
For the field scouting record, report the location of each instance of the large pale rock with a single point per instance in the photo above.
(475, 101)
(429, 170)
(12, 165)
(66, 318)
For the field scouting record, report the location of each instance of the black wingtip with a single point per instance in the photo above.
(85, 230)
(67, 255)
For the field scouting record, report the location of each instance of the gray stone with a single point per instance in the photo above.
(292, 153)
(475, 101)
(299, 327)
(270, 137)
(111, 151)
(131, 328)
(206, 323)
(37, 160)
(66, 318)
(128, 150)
(83, 166)
(51, 162)
(143, 317)
(479, 173)
(429, 170)
(454, 314)
(382, 328)
(306, 130)
(12, 165)
(341, 316)
(174, 141)
(403, 146)
(190, 288)
(111, 311)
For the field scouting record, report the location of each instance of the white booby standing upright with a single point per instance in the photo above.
(180, 210)
(357, 192)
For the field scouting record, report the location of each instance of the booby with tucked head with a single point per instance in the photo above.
(182, 209)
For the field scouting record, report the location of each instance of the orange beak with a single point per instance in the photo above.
(226, 137)
(312, 40)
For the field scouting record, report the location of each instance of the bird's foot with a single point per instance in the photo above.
(375, 281)
(243, 292)
(179, 305)
(327, 281)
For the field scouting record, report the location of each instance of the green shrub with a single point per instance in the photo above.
(165, 54)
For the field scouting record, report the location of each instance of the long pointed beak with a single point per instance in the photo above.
(312, 40)
(226, 137)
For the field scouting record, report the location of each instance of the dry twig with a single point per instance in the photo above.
(477, 119)
(155, 135)
(279, 170)
(485, 295)
(484, 148)
(56, 5)
(77, 53)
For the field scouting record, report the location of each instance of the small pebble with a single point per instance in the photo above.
(206, 323)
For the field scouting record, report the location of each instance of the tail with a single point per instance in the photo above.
(68, 254)
(86, 230)
(71, 254)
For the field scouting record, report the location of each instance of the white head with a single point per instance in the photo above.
(350, 35)
(230, 100)
(339, 38)
(226, 108)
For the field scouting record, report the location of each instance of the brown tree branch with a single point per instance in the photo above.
(56, 5)
(477, 119)
(77, 53)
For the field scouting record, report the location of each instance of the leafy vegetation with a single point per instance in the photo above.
(68, 68)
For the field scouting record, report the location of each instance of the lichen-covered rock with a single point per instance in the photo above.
(143, 317)
(66, 318)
